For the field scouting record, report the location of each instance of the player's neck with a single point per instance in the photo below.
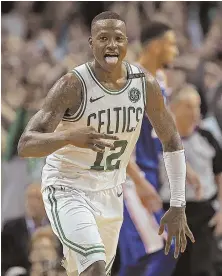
(107, 76)
(149, 63)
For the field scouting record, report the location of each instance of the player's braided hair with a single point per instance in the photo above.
(154, 30)
(106, 15)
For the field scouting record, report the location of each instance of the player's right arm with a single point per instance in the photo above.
(39, 138)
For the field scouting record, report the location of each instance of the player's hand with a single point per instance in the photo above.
(88, 137)
(216, 222)
(176, 222)
(194, 181)
(148, 196)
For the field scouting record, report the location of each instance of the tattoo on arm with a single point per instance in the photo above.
(64, 94)
(39, 138)
(160, 117)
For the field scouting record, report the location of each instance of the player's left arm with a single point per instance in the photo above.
(174, 159)
(160, 117)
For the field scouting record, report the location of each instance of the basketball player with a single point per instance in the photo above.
(88, 127)
(143, 255)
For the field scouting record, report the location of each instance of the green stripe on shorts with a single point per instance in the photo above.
(109, 266)
(73, 246)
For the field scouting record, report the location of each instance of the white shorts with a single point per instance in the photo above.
(87, 224)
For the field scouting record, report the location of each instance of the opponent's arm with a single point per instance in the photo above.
(175, 164)
(39, 138)
(145, 191)
(134, 171)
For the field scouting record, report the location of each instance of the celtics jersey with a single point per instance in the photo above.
(113, 112)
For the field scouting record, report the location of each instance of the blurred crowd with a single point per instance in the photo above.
(43, 40)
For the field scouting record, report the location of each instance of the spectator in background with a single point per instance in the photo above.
(44, 257)
(212, 45)
(16, 233)
(206, 77)
(205, 156)
(15, 21)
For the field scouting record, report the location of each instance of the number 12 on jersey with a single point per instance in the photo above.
(121, 144)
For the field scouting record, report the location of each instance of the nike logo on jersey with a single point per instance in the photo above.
(96, 99)
(119, 194)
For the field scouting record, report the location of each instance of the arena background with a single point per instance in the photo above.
(43, 40)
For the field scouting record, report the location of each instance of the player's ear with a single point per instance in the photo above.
(90, 42)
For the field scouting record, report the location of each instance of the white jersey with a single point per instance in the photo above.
(118, 113)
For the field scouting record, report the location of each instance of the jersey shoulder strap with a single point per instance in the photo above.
(138, 73)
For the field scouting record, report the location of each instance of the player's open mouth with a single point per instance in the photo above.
(111, 58)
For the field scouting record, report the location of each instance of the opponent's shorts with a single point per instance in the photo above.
(86, 223)
(141, 248)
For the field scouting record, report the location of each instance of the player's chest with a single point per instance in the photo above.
(114, 113)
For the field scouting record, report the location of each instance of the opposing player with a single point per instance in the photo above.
(144, 254)
(88, 127)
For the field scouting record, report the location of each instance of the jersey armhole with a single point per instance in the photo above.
(79, 113)
(143, 79)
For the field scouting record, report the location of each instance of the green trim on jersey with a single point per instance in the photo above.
(143, 85)
(109, 91)
(75, 117)
(73, 246)
(109, 266)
